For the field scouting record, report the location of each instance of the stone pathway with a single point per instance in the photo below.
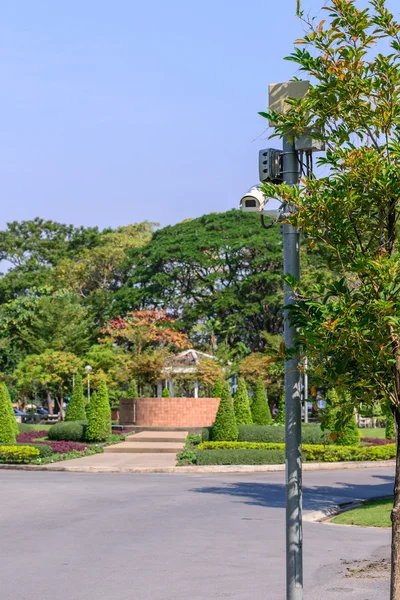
(146, 449)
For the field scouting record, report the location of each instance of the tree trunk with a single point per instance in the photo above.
(395, 568)
(49, 404)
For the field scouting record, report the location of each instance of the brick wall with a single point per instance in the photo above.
(168, 412)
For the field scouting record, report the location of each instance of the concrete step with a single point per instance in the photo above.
(145, 447)
(158, 437)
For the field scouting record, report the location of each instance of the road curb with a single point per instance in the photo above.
(195, 470)
(319, 516)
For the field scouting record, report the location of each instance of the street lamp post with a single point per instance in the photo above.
(88, 370)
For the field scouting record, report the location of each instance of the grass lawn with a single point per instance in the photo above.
(33, 427)
(372, 514)
(377, 432)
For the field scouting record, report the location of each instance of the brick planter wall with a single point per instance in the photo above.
(168, 412)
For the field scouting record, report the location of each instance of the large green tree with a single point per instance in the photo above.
(219, 275)
(351, 328)
(34, 247)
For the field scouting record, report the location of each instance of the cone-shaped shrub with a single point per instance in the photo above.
(218, 389)
(93, 397)
(165, 393)
(280, 416)
(8, 423)
(76, 407)
(225, 428)
(241, 404)
(99, 417)
(259, 407)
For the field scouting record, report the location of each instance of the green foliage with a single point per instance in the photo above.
(260, 410)
(238, 454)
(99, 417)
(166, 393)
(8, 424)
(218, 389)
(68, 431)
(76, 407)
(18, 454)
(350, 435)
(133, 390)
(241, 404)
(240, 457)
(350, 327)
(240, 446)
(280, 417)
(337, 419)
(310, 433)
(225, 427)
(188, 456)
(389, 428)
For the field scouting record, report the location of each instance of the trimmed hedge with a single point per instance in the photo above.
(245, 453)
(311, 434)
(68, 431)
(259, 407)
(99, 417)
(8, 423)
(44, 449)
(240, 457)
(18, 454)
(225, 427)
(76, 407)
(241, 404)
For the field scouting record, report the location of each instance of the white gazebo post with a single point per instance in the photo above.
(196, 388)
(159, 389)
(171, 388)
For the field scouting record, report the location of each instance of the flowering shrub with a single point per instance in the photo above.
(29, 436)
(64, 447)
(377, 441)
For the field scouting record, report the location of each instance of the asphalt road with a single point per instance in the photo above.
(70, 536)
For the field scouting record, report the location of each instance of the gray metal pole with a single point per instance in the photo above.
(306, 390)
(294, 530)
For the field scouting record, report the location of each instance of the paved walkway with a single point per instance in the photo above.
(148, 449)
(157, 537)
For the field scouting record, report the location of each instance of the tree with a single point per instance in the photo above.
(260, 410)
(34, 247)
(351, 327)
(76, 407)
(280, 418)
(50, 372)
(99, 416)
(145, 329)
(133, 390)
(241, 404)
(165, 393)
(102, 268)
(225, 428)
(8, 424)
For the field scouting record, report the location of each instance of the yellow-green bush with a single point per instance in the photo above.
(315, 453)
(18, 454)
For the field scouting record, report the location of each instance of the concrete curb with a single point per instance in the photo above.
(195, 470)
(327, 514)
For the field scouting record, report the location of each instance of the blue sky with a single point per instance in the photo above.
(118, 112)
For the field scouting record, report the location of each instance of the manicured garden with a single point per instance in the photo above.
(86, 430)
(244, 433)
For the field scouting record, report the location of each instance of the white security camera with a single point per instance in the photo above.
(254, 200)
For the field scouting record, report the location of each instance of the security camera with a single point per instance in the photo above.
(254, 200)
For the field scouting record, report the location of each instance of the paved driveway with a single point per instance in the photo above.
(70, 536)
